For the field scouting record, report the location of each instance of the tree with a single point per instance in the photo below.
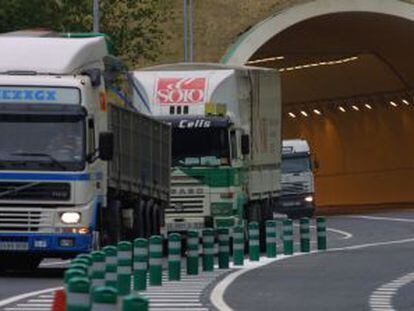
(135, 26)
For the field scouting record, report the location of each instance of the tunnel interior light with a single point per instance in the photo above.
(368, 106)
(354, 107)
(292, 115)
(311, 65)
(342, 109)
(317, 111)
(265, 60)
(304, 113)
(406, 102)
(393, 103)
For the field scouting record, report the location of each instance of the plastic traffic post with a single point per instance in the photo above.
(140, 264)
(174, 256)
(271, 247)
(104, 298)
(78, 296)
(72, 273)
(224, 248)
(110, 265)
(192, 252)
(321, 233)
(208, 249)
(88, 258)
(155, 260)
(80, 266)
(254, 244)
(98, 268)
(135, 303)
(238, 246)
(287, 237)
(304, 235)
(124, 269)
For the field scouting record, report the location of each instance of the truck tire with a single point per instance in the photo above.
(156, 219)
(148, 219)
(19, 263)
(139, 216)
(114, 222)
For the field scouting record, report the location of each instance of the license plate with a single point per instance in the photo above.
(290, 203)
(183, 226)
(14, 246)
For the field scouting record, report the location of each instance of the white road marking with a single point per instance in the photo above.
(381, 298)
(54, 263)
(382, 218)
(16, 298)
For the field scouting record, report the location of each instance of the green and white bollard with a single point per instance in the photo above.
(104, 298)
(238, 246)
(88, 258)
(254, 241)
(124, 269)
(135, 303)
(98, 268)
(287, 237)
(140, 264)
(80, 266)
(192, 252)
(78, 294)
(208, 249)
(321, 233)
(111, 278)
(155, 260)
(271, 246)
(174, 256)
(72, 273)
(224, 248)
(304, 235)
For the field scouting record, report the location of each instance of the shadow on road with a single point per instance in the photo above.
(38, 273)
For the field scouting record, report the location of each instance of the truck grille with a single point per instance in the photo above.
(25, 191)
(25, 220)
(191, 204)
(293, 188)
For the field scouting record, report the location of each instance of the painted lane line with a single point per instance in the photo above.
(346, 235)
(217, 294)
(16, 298)
(383, 295)
(382, 218)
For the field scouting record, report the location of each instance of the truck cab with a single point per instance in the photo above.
(297, 198)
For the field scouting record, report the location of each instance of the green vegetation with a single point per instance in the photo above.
(135, 26)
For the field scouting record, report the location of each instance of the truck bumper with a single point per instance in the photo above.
(45, 244)
(295, 206)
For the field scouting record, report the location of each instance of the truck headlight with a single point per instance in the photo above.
(70, 217)
(309, 199)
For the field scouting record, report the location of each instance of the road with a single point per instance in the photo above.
(354, 274)
(344, 278)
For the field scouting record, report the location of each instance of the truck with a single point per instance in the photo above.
(226, 140)
(76, 171)
(297, 180)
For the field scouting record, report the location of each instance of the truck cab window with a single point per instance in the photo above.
(233, 146)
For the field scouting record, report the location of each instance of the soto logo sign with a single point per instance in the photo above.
(180, 91)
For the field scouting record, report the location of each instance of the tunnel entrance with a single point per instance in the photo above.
(347, 84)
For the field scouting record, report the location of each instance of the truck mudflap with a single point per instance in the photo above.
(44, 243)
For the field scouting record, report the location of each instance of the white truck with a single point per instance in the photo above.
(297, 180)
(75, 170)
(226, 145)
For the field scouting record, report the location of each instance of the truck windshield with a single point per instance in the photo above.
(200, 147)
(295, 164)
(42, 143)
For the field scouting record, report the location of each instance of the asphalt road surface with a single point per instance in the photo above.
(368, 271)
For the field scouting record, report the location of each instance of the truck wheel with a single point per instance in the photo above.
(139, 224)
(148, 219)
(156, 220)
(115, 222)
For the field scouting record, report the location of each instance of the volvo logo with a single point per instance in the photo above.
(186, 191)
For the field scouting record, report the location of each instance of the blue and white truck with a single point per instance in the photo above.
(76, 171)
(298, 187)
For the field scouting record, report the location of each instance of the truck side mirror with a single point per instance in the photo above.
(106, 146)
(245, 144)
(95, 75)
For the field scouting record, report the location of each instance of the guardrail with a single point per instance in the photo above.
(101, 280)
